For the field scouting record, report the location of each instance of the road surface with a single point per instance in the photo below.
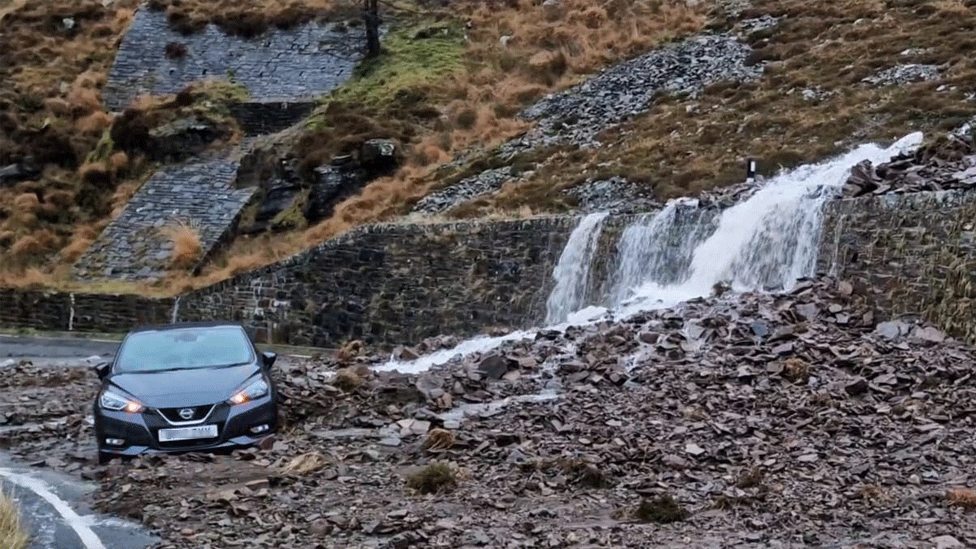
(54, 349)
(55, 507)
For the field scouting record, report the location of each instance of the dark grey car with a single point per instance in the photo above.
(185, 387)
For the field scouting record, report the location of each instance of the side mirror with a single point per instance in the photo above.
(102, 369)
(269, 358)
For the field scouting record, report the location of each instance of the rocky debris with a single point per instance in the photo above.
(615, 195)
(624, 90)
(749, 26)
(900, 75)
(14, 173)
(580, 114)
(470, 187)
(948, 164)
(734, 420)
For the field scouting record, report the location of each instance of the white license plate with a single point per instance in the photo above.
(188, 433)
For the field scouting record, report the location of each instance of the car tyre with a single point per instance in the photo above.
(104, 457)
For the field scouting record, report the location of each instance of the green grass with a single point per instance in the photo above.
(413, 58)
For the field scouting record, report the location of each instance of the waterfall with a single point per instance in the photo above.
(658, 248)
(769, 240)
(572, 272)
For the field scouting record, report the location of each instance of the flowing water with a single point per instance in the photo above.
(765, 242)
(572, 273)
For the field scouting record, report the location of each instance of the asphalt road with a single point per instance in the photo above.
(20, 348)
(55, 507)
(55, 511)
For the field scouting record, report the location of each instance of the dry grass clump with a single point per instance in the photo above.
(962, 497)
(438, 439)
(662, 510)
(433, 479)
(12, 533)
(186, 244)
(305, 464)
(248, 20)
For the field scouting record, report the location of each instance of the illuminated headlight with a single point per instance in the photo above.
(110, 400)
(255, 390)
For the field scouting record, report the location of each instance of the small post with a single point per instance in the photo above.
(750, 170)
(372, 19)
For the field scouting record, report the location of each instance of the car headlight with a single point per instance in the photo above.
(111, 400)
(255, 390)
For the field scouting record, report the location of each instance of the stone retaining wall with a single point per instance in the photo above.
(280, 65)
(58, 311)
(392, 284)
(910, 254)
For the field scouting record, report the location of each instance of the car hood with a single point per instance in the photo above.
(192, 387)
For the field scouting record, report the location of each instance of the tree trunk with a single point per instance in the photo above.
(372, 19)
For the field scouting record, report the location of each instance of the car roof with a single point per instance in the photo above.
(185, 325)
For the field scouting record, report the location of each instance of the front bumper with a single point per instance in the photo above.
(141, 431)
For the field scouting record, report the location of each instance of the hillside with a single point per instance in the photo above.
(784, 82)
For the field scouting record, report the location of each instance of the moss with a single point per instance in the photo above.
(103, 149)
(413, 58)
(432, 479)
(292, 217)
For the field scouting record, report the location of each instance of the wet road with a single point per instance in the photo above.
(55, 507)
(55, 511)
(58, 349)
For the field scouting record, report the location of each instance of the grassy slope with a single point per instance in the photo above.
(441, 100)
(686, 146)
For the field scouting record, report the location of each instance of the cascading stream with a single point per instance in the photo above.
(769, 240)
(572, 273)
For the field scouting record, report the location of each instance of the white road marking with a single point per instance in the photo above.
(71, 518)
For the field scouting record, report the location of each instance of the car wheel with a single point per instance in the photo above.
(104, 457)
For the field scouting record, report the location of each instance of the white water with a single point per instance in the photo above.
(572, 273)
(769, 240)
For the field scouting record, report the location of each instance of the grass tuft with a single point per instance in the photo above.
(305, 464)
(663, 510)
(12, 533)
(433, 479)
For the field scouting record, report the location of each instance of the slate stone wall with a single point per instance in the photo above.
(134, 244)
(257, 118)
(280, 65)
(393, 284)
(911, 254)
(58, 311)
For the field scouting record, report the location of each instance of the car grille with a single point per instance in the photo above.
(173, 414)
(218, 417)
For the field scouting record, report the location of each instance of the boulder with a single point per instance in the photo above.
(182, 138)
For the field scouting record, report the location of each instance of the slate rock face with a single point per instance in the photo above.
(279, 65)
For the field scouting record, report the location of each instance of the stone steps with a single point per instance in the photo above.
(135, 245)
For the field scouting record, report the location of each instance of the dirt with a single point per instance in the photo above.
(688, 426)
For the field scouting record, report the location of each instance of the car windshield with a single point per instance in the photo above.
(184, 348)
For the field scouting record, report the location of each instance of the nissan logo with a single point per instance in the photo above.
(186, 413)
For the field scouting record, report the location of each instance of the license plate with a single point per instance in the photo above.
(188, 433)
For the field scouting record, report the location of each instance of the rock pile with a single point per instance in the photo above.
(734, 421)
(947, 164)
(580, 114)
(900, 75)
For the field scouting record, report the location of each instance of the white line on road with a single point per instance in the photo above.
(71, 518)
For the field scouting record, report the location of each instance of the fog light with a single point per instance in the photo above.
(115, 442)
(259, 428)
